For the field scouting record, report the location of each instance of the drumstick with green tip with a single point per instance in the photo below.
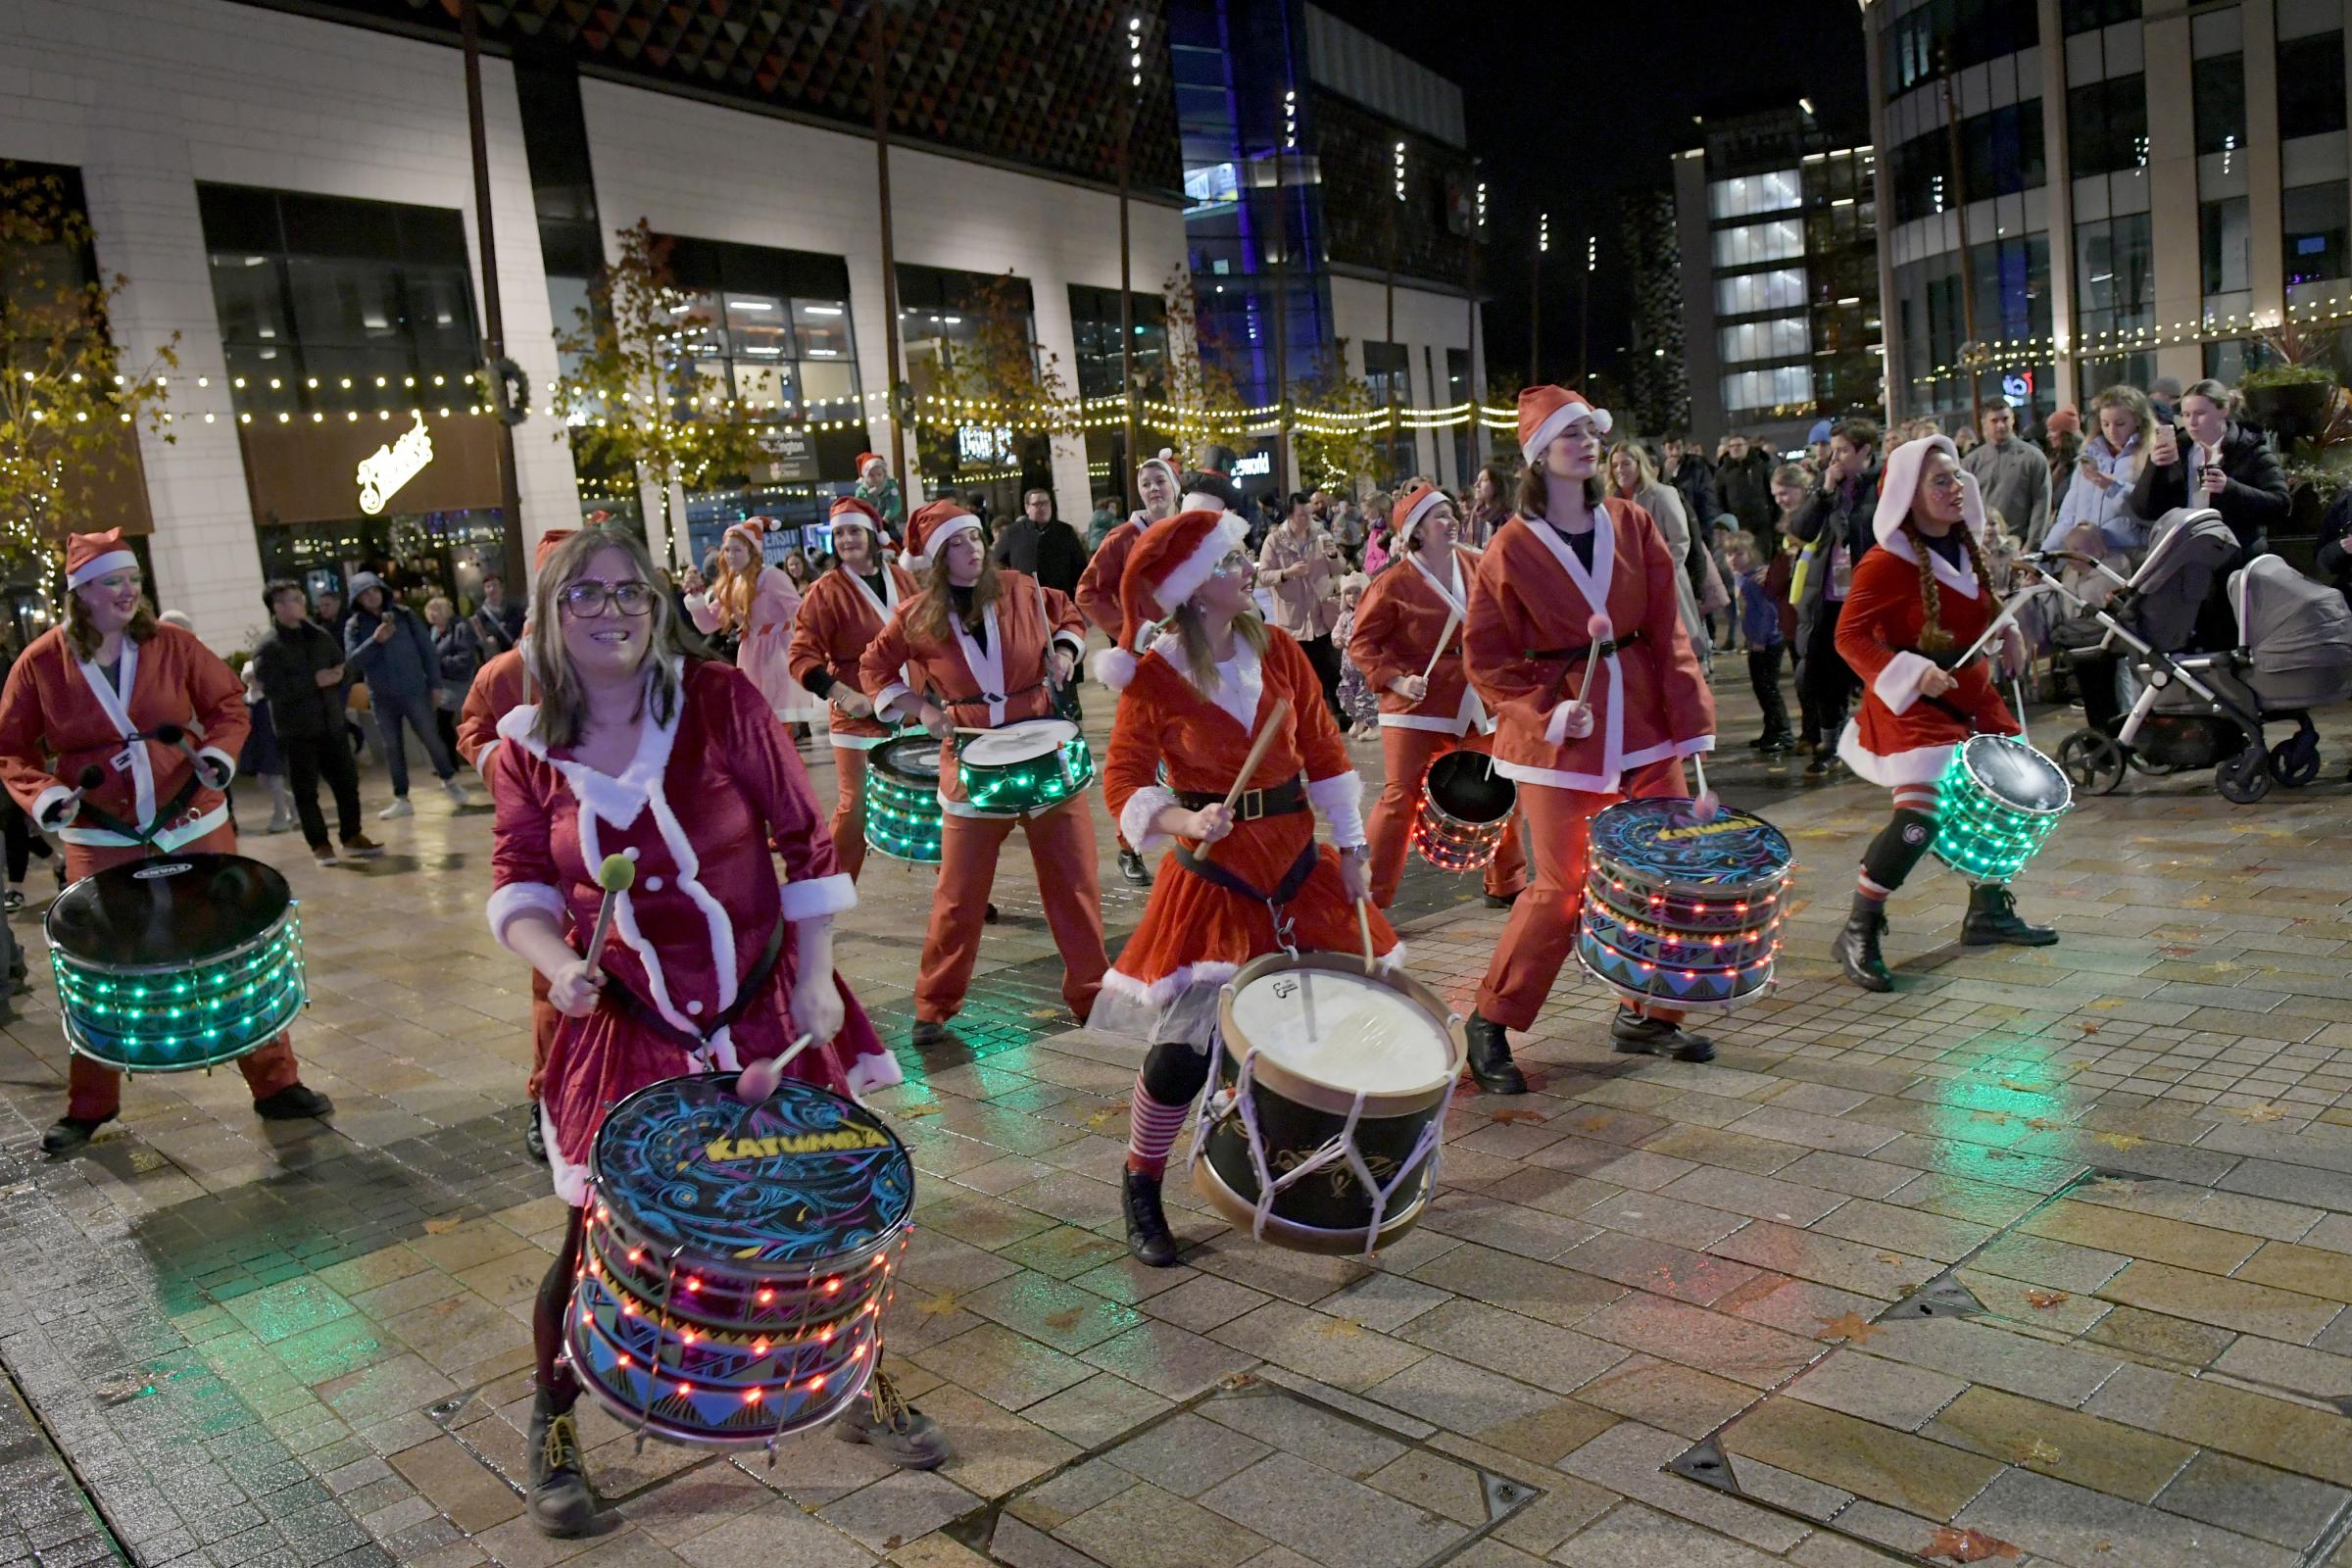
(1257, 751)
(615, 876)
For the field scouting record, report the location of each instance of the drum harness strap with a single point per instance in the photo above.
(753, 984)
(1950, 710)
(1283, 800)
(144, 838)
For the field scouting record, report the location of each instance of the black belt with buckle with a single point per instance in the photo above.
(1602, 650)
(1281, 800)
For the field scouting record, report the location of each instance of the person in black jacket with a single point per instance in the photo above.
(2209, 459)
(1061, 555)
(1684, 468)
(1837, 513)
(299, 665)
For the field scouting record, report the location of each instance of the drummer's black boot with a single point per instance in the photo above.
(1491, 1064)
(561, 1501)
(292, 1103)
(1993, 917)
(1856, 949)
(1148, 1235)
(1630, 1031)
(68, 1134)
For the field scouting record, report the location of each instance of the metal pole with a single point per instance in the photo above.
(1535, 310)
(877, 52)
(1968, 270)
(1281, 326)
(1474, 384)
(494, 342)
(1584, 321)
(1389, 346)
(1126, 318)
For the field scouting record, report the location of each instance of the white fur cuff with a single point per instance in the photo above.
(1137, 815)
(1697, 743)
(48, 801)
(819, 897)
(481, 758)
(515, 900)
(1075, 642)
(1571, 721)
(1898, 685)
(889, 696)
(1340, 799)
(226, 764)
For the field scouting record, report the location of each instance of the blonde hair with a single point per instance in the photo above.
(731, 592)
(2136, 401)
(1645, 472)
(562, 704)
(1200, 660)
(441, 600)
(928, 617)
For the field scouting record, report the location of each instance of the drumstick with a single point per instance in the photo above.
(89, 780)
(973, 729)
(1705, 807)
(615, 876)
(1257, 751)
(1453, 619)
(758, 1081)
(174, 735)
(1363, 924)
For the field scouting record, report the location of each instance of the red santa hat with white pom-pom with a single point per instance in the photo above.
(1167, 566)
(91, 555)
(1545, 412)
(934, 523)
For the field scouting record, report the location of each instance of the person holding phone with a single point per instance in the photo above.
(2209, 459)
(2107, 473)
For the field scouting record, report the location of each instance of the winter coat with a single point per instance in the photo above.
(287, 664)
(405, 664)
(2253, 500)
(458, 649)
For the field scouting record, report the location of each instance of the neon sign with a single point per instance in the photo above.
(388, 467)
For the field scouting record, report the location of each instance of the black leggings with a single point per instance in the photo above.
(1825, 680)
(23, 846)
(547, 1319)
(1174, 1071)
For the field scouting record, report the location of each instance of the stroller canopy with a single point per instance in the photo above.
(2297, 632)
(2188, 550)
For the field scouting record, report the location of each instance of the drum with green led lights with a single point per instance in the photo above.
(1026, 766)
(901, 798)
(1996, 802)
(178, 962)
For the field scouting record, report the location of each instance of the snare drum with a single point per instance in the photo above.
(1464, 812)
(901, 798)
(737, 1260)
(1025, 768)
(170, 964)
(1319, 1131)
(1997, 800)
(1682, 913)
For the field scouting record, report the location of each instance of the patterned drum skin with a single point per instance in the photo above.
(738, 1259)
(1024, 766)
(901, 798)
(1679, 910)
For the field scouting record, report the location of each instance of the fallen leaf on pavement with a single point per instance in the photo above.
(2265, 1112)
(1339, 1328)
(1064, 1322)
(2118, 1141)
(2046, 1299)
(1106, 1114)
(2016, 1086)
(1509, 1117)
(940, 1305)
(1965, 1545)
(1849, 1326)
(917, 1112)
(2033, 1452)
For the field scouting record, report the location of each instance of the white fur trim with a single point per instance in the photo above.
(1136, 817)
(1199, 500)
(1557, 729)
(571, 1181)
(1412, 524)
(1340, 799)
(509, 903)
(1695, 743)
(1899, 483)
(1898, 685)
(1075, 642)
(91, 571)
(889, 694)
(481, 758)
(1922, 765)
(1532, 449)
(1115, 666)
(961, 522)
(819, 897)
(1185, 579)
(228, 764)
(1169, 987)
(875, 1071)
(48, 801)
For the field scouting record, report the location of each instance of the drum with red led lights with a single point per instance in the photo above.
(1679, 913)
(737, 1260)
(1464, 812)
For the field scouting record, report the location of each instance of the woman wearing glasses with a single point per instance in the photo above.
(1193, 706)
(631, 750)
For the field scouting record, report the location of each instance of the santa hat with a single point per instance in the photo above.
(548, 544)
(753, 531)
(934, 523)
(1412, 508)
(849, 512)
(1166, 568)
(1545, 411)
(1899, 483)
(1161, 463)
(91, 555)
(865, 458)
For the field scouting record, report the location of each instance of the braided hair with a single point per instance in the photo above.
(1933, 638)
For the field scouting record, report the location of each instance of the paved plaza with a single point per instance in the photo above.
(2042, 1259)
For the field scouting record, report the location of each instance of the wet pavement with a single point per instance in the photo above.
(2044, 1258)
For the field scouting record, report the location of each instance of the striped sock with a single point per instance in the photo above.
(1865, 888)
(1151, 1129)
(1920, 798)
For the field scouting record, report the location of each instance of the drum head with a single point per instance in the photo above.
(800, 1178)
(1348, 1031)
(1466, 787)
(1023, 742)
(1658, 842)
(168, 914)
(915, 758)
(2016, 774)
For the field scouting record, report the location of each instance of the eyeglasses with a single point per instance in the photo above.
(586, 600)
(1235, 564)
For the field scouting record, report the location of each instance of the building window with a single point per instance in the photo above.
(1775, 241)
(1785, 338)
(2219, 91)
(774, 328)
(2107, 126)
(331, 305)
(2226, 227)
(1387, 372)
(2081, 15)
(1780, 289)
(2001, 153)
(2317, 251)
(2311, 85)
(1095, 333)
(1789, 387)
(1972, 31)
(2115, 275)
(1750, 195)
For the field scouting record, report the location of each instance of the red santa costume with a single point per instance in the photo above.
(986, 678)
(764, 623)
(1576, 736)
(1404, 618)
(61, 713)
(840, 615)
(1268, 884)
(1918, 601)
(699, 972)
(499, 687)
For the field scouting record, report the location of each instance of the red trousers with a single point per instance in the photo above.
(1062, 844)
(849, 809)
(1406, 754)
(94, 1091)
(1542, 924)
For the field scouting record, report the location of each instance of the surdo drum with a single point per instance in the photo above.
(901, 798)
(1682, 913)
(1025, 766)
(1464, 812)
(1319, 1126)
(178, 962)
(1997, 800)
(737, 1260)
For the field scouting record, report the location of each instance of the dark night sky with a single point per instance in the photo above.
(1570, 107)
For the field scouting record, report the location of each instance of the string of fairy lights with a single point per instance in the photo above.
(2111, 342)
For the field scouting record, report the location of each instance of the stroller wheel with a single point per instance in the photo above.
(2093, 762)
(2244, 778)
(2295, 760)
